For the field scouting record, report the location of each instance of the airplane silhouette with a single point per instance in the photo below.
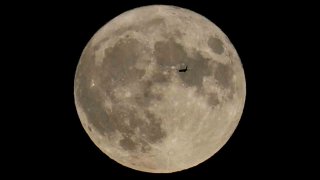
(184, 70)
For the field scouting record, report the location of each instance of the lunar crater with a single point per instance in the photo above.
(216, 45)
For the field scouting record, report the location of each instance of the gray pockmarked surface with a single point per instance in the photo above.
(135, 105)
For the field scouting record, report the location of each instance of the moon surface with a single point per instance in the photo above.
(139, 109)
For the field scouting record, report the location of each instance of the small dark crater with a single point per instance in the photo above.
(145, 147)
(216, 45)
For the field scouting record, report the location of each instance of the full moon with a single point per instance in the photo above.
(159, 89)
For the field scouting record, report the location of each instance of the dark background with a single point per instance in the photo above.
(44, 133)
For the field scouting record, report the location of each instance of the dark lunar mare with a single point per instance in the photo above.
(118, 69)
